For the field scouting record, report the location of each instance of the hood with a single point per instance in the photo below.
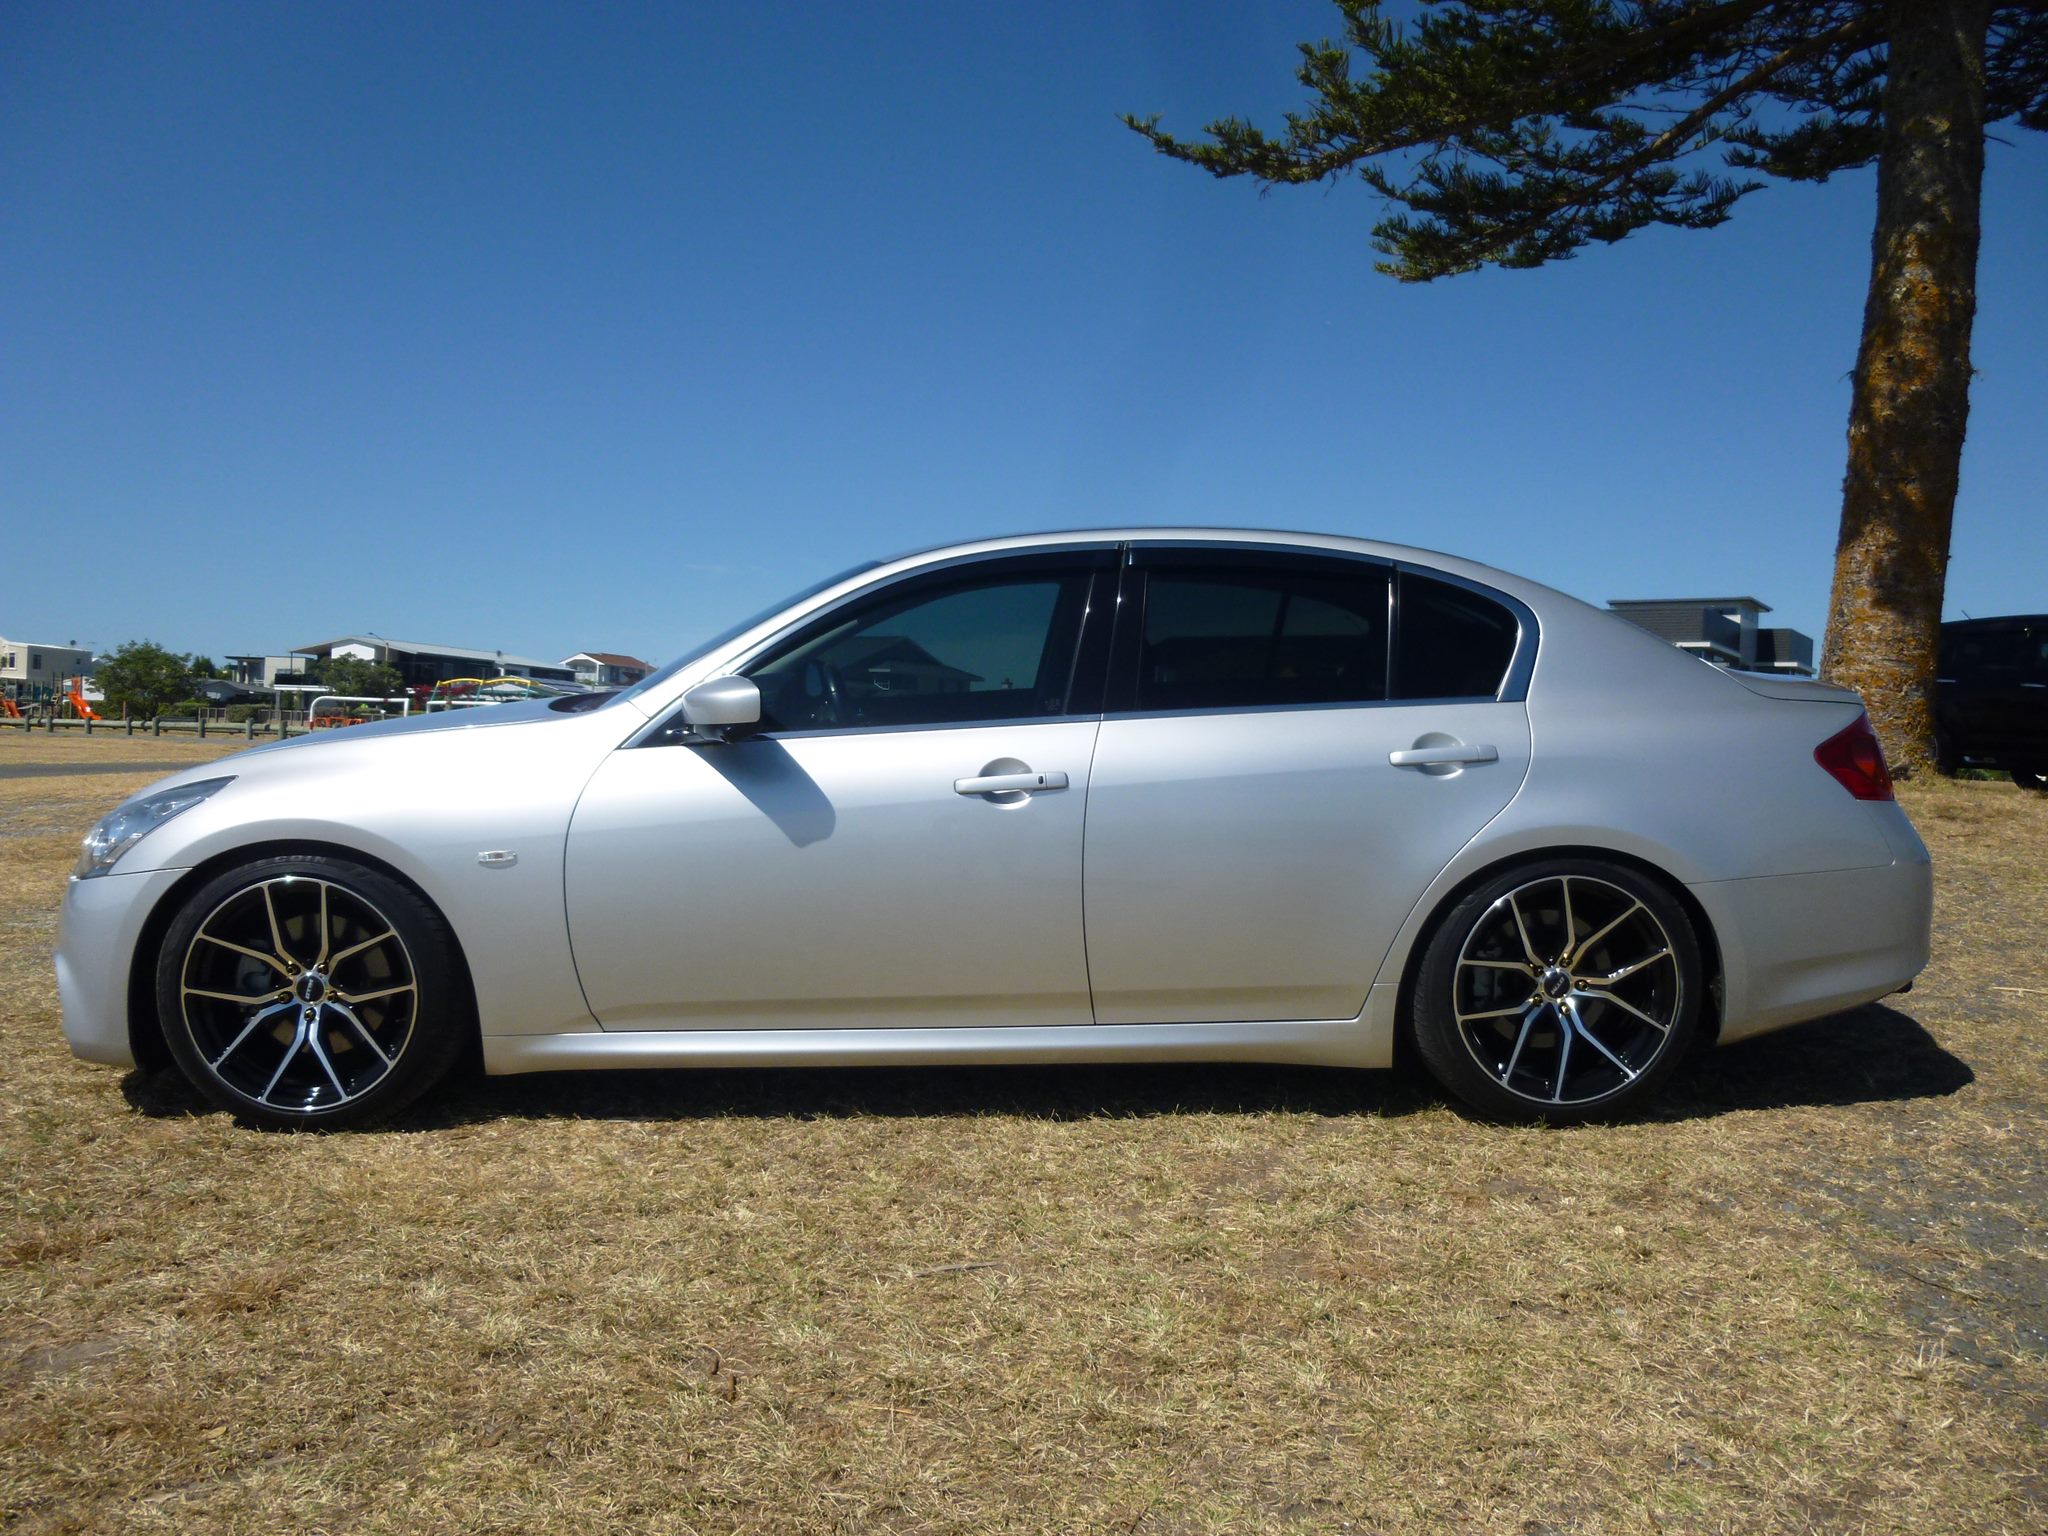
(533, 713)
(482, 717)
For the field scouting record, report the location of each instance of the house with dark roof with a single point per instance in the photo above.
(422, 664)
(898, 665)
(607, 669)
(1723, 630)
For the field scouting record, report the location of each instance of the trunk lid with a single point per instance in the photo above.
(1803, 690)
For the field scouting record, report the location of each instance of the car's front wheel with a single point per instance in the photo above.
(2030, 775)
(310, 991)
(1560, 990)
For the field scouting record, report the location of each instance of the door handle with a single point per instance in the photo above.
(1009, 783)
(1423, 757)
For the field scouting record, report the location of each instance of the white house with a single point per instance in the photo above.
(607, 669)
(29, 670)
(263, 671)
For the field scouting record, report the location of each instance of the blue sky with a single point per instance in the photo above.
(547, 328)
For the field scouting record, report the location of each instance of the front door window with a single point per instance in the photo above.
(973, 650)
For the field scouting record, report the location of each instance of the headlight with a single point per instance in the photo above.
(125, 826)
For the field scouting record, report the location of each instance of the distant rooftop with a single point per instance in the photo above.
(423, 648)
(614, 659)
(1689, 602)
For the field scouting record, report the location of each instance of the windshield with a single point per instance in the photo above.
(695, 654)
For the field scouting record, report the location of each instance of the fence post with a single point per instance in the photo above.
(156, 725)
(202, 725)
(128, 723)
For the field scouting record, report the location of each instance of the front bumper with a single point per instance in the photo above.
(96, 938)
(1796, 947)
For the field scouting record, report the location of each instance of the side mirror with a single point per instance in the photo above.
(719, 704)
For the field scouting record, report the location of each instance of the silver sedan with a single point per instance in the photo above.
(1129, 795)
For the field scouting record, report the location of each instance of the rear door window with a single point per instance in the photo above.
(1218, 635)
(1449, 641)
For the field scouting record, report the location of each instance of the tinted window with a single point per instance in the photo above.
(1993, 656)
(992, 648)
(1449, 643)
(1216, 636)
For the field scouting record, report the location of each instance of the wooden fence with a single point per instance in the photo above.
(290, 724)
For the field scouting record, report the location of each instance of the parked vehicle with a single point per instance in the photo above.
(483, 692)
(220, 693)
(1991, 696)
(1135, 795)
(335, 711)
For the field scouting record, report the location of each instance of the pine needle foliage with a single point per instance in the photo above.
(1515, 132)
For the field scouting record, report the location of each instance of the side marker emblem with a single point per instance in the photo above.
(498, 858)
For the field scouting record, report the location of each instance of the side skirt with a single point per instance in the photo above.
(1358, 1042)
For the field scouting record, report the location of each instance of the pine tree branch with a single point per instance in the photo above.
(1326, 71)
(1712, 107)
(1554, 226)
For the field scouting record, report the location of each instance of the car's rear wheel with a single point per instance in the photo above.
(2031, 776)
(1561, 990)
(311, 991)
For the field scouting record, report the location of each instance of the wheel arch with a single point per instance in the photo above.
(1709, 941)
(145, 1028)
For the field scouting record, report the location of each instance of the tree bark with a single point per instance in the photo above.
(1912, 383)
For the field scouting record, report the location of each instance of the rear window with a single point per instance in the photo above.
(1449, 642)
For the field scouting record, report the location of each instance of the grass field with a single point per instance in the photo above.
(1811, 1295)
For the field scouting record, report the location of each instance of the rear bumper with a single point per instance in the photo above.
(1796, 947)
(96, 938)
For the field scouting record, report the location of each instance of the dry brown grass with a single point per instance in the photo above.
(1810, 1296)
(106, 748)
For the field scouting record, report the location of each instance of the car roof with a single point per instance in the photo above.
(1457, 565)
(2000, 621)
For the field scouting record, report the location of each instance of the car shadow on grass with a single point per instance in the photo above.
(1874, 1054)
(1870, 1055)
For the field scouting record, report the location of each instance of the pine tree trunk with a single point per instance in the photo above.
(1912, 390)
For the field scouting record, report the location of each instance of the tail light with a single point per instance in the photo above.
(1853, 757)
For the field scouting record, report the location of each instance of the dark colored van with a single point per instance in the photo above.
(1991, 698)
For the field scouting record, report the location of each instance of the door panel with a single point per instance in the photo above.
(1257, 865)
(833, 880)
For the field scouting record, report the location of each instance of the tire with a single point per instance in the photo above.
(2034, 776)
(1947, 761)
(306, 991)
(1499, 980)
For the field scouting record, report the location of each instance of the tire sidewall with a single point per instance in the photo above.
(1439, 1039)
(443, 1021)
